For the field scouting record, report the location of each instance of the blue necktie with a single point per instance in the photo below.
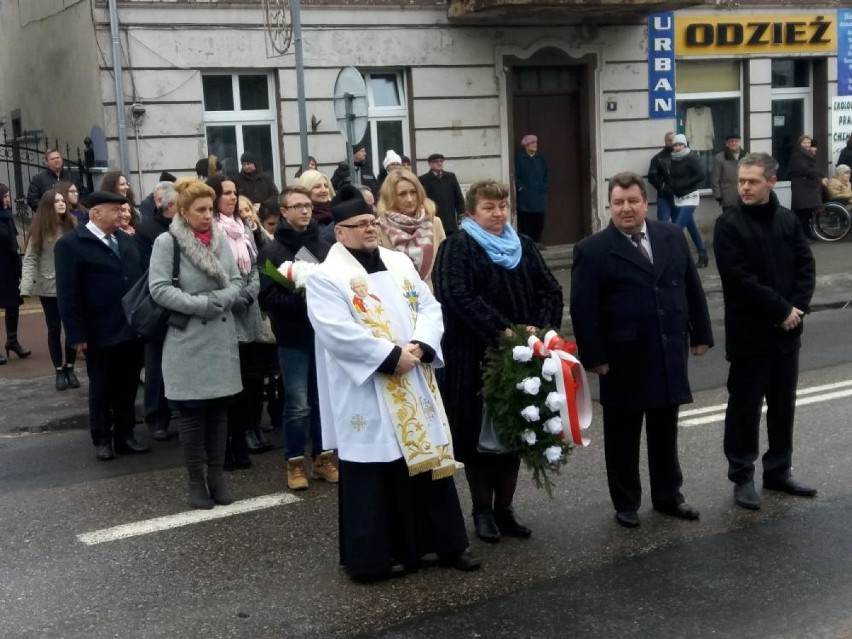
(113, 244)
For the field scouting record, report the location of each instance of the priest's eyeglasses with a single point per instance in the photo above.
(300, 207)
(361, 225)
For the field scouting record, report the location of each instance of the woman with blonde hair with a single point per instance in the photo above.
(321, 194)
(407, 221)
(201, 361)
(50, 222)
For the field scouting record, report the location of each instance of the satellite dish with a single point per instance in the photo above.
(350, 104)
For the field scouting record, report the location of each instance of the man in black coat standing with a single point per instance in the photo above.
(251, 181)
(442, 187)
(638, 306)
(96, 265)
(363, 173)
(158, 414)
(768, 277)
(42, 182)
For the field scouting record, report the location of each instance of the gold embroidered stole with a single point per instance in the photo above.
(409, 413)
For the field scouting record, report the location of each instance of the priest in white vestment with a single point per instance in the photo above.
(378, 336)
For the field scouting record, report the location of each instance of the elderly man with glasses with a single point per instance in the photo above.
(288, 314)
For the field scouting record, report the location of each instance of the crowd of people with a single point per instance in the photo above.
(370, 366)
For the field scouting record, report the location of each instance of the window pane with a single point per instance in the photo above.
(257, 140)
(705, 124)
(706, 77)
(222, 142)
(388, 136)
(254, 93)
(218, 93)
(790, 73)
(385, 89)
(788, 122)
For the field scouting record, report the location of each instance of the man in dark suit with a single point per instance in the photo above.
(637, 306)
(768, 278)
(96, 265)
(442, 187)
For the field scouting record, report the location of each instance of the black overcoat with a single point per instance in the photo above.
(10, 262)
(767, 268)
(446, 193)
(479, 300)
(805, 181)
(90, 282)
(637, 317)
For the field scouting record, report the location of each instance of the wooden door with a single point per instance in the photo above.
(546, 101)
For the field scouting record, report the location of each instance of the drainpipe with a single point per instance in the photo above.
(117, 73)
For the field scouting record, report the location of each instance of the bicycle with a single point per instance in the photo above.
(831, 222)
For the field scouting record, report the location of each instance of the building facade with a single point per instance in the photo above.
(465, 78)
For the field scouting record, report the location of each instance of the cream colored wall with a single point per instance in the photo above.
(50, 68)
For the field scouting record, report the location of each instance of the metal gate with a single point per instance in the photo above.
(22, 157)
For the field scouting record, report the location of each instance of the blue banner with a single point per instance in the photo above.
(844, 52)
(661, 65)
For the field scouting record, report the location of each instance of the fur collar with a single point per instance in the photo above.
(205, 258)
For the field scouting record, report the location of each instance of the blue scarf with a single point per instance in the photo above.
(504, 249)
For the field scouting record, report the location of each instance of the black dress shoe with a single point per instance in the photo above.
(681, 511)
(791, 487)
(71, 377)
(486, 527)
(508, 524)
(104, 452)
(160, 432)
(61, 380)
(628, 518)
(465, 561)
(131, 447)
(745, 496)
(395, 571)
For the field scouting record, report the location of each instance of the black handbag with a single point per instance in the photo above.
(145, 316)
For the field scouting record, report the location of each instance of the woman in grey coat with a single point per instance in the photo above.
(201, 362)
(240, 239)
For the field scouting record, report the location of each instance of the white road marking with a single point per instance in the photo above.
(187, 518)
(805, 396)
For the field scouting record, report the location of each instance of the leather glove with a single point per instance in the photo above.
(242, 303)
(214, 308)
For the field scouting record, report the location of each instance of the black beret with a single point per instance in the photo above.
(348, 202)
(248, 157)
(165, 176)
(358, 147)
(104, 197)
(435, 156)
(732, 136)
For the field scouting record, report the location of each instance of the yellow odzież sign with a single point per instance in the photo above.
(766, 34)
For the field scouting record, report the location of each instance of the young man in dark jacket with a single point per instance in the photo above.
(255, 184)
(768, 276)
(158, 415)
(42, 182)
(288, 314)
(363, 173)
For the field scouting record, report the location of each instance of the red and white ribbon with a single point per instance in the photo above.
(576, 412)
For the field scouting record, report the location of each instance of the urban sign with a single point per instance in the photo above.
(661, 65)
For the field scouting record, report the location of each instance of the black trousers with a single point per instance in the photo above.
(531, 224)
(157, 409)
(622, 436)
(54, 333)
(773, 376)
(113, 381)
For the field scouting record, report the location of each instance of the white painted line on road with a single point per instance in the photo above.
(805, 398)
(187, 518)
(721, 407)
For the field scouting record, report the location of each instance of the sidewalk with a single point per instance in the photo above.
(32, 404)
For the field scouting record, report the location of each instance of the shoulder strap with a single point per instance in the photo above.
(175, 263)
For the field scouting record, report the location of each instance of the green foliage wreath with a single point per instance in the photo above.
(542, 450)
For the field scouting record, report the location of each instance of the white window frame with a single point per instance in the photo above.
(395, 113)
(806, 94)
(238, 117)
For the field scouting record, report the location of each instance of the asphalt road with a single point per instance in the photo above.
(780, 572)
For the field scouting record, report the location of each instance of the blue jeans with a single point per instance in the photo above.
(301, 402)
(683, 216)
